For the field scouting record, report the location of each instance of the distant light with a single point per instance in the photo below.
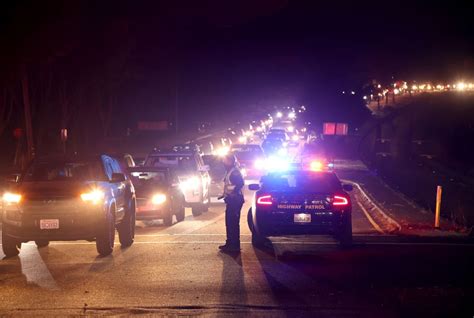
(242, 139)
(352, 92)
(295, 138)
(279, 115)
(379, 86)
(461, 86)
(428, 87)
(292, 115)
(291, 128)
(414, 87)
(343, 92)
(396, 91)
(365, 97)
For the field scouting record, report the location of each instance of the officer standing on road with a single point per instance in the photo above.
(234, 199)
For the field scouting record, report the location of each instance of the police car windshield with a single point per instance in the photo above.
(179, 162)
(65, 171)
(301, 181)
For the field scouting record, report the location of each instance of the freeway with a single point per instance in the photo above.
(178, 270)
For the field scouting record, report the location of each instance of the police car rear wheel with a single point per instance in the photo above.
(258, 241)
(42, 243)
(106, 236)
(345, 232)
(11, 247)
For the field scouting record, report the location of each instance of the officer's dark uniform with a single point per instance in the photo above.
(234, 199)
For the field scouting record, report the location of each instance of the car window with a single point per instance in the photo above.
(65, 171)
(115, 166)
(108, 167)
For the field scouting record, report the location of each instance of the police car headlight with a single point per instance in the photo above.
(158, 198)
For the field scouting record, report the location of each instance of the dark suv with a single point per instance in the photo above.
(69, 198)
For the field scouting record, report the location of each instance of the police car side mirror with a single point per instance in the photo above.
(254, 187)
(347, 187)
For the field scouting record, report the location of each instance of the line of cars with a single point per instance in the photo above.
(90, 197)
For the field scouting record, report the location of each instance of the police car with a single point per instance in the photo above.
(192, 173)
(295, 202)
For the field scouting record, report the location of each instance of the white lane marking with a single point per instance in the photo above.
(367, 215)
(35, 269)
(384, 215)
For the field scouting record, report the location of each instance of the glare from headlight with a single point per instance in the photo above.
(9, 197)
(192, 183)
(158, 198)
(259, 164)
(94, 196)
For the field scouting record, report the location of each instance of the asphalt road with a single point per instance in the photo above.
(178, 270)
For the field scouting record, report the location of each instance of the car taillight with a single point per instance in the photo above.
(340, 201)
(264, 200)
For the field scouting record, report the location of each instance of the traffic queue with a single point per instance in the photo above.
(91, 197)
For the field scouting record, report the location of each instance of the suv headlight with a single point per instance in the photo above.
(94, 196)
(11, 198)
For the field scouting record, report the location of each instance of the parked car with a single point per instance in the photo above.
(69, 198)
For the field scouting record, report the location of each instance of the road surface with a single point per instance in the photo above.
(178, 270)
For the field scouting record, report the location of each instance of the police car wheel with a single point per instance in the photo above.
(106, 236)
(42, 243)
(126, 228)
(259, 241)
(10, 246)
(249, 220)
(345, 232)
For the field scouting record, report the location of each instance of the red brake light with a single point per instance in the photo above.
(338, 200)
(265, 200)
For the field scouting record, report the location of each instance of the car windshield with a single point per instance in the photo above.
(144, 178)
(182, 163)
(302, 182)
(65, 171)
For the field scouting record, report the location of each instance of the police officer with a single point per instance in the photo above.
(234, 199)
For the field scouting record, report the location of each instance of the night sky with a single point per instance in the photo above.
(228, 55)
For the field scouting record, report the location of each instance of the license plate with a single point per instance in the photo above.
(49, 224)
(302, 218)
